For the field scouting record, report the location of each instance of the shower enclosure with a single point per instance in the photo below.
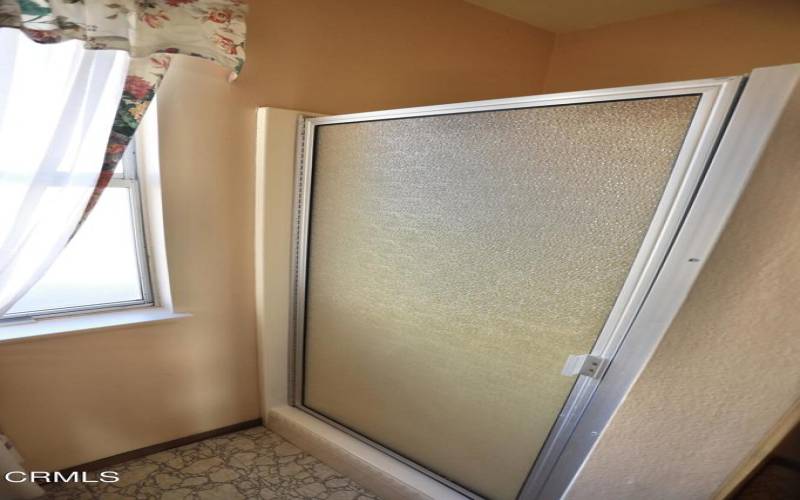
(466, 276)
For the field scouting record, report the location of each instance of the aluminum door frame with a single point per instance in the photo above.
(717, 99)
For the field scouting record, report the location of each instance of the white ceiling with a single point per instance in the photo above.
(561, 16)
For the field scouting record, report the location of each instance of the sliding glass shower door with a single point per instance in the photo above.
(450, 261)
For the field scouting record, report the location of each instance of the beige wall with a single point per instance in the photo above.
(721, 40)
(72, 399)
(360, 55)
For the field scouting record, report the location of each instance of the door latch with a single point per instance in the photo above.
(584, 364)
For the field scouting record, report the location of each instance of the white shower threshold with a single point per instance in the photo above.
(388, 477)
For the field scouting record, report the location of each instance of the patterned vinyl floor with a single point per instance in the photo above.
(248, 465)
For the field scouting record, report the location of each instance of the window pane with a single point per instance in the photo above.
(99, 265)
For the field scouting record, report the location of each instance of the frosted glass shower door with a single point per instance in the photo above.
(452, 262)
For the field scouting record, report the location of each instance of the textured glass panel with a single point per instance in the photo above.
(456, 260)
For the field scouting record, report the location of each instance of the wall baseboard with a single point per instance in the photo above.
(108, 462)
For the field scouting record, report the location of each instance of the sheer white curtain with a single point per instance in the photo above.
(57, 105)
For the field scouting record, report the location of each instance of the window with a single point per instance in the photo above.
(105, 264)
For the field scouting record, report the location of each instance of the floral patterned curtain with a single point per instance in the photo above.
(150, 31)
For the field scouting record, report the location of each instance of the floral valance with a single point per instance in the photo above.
(211, 29)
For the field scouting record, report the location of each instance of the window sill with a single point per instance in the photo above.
(34, 328)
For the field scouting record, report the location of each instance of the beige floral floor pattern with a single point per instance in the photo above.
(247, 465)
